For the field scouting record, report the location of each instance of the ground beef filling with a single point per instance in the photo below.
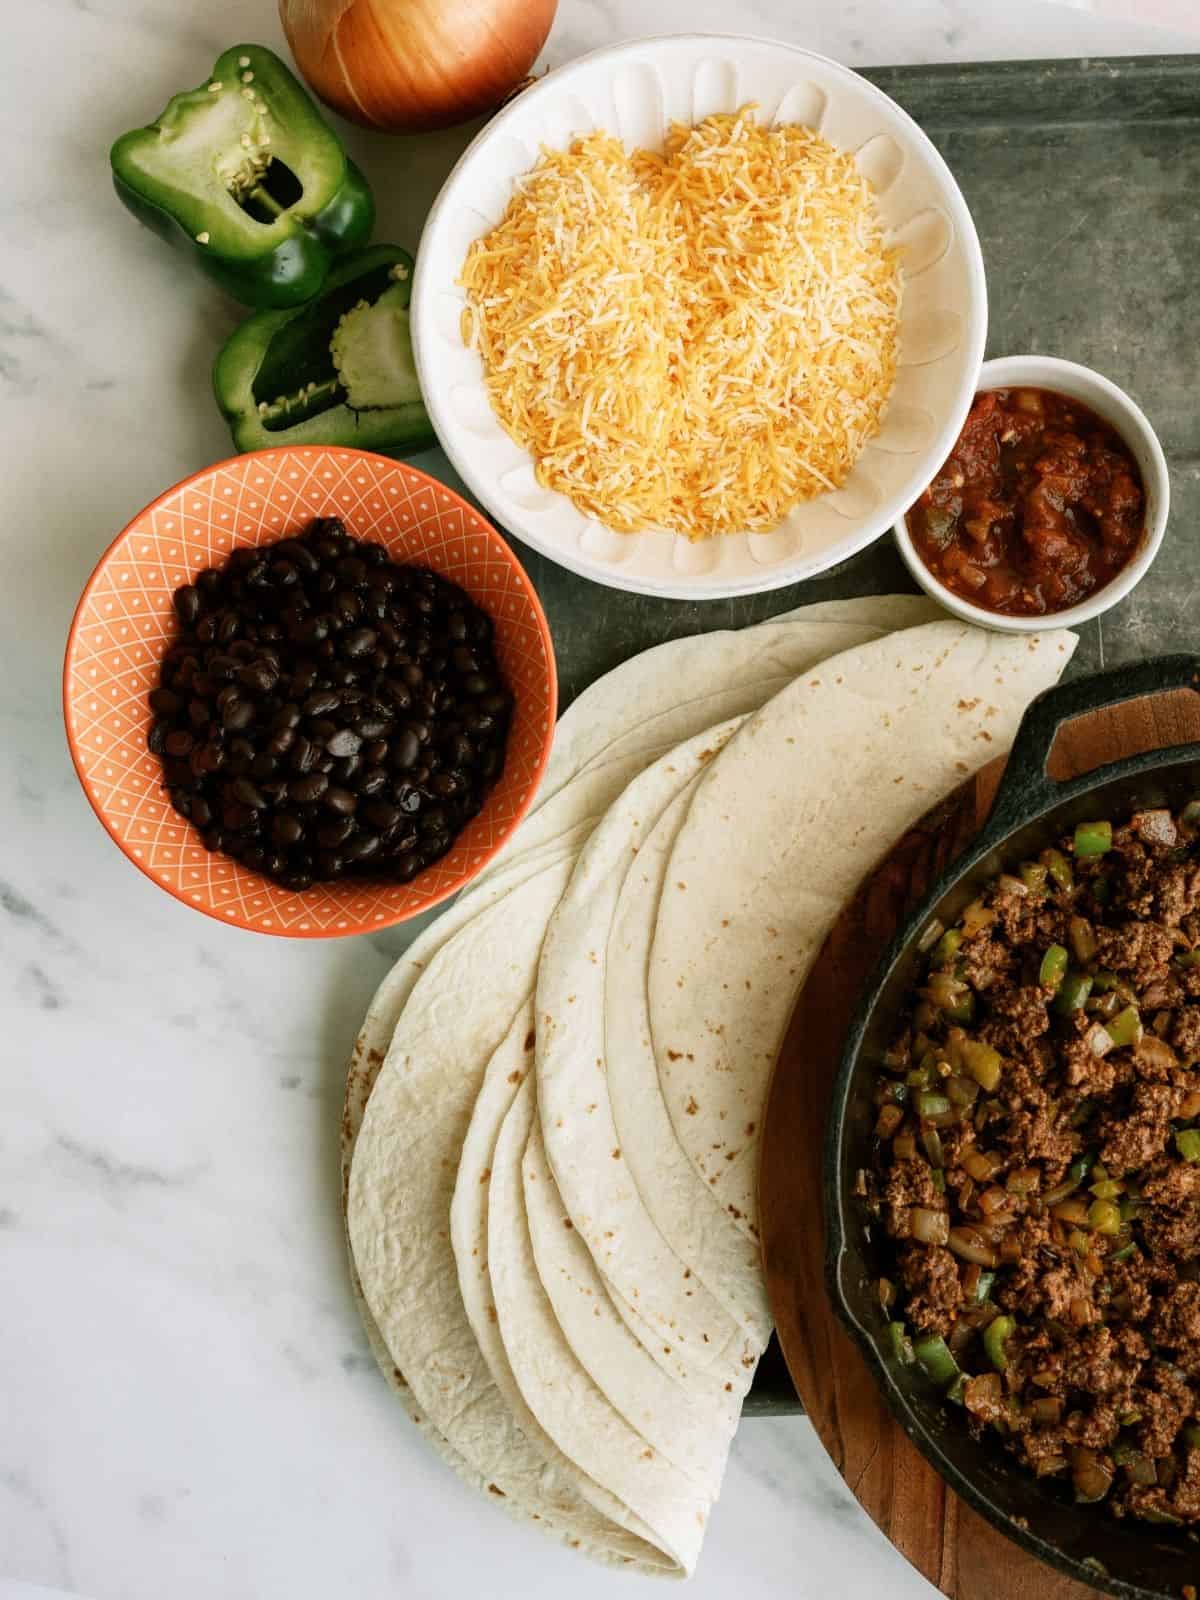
(1039, 1166)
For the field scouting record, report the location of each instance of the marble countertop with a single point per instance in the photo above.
(187, 1404)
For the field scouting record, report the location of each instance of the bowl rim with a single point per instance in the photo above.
(503, 549)
(800, 569)
(1135, 429)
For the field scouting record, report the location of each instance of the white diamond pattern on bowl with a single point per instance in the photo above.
(126, 615)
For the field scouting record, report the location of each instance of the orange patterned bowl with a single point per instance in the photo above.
(125, 620)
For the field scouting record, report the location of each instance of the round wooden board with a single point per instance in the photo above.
(945, 1540)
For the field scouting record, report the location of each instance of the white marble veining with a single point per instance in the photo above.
(187, 1405)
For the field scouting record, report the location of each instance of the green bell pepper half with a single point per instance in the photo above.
(245, 175)
(337, 371)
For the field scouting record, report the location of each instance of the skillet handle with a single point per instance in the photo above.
(1026, 788)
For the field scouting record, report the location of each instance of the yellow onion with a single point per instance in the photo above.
(406, 65)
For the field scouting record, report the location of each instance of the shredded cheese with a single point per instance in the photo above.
(695, 340)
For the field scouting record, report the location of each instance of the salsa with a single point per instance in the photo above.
(1039, 505)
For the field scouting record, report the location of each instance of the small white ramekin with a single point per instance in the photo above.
(1130, 421)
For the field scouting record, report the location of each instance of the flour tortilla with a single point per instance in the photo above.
(370, 1048)
(398, 1204)
(565, 1400)
(577, 1122)
(680, 1205)
(677, 689)
(806, 796)
(690, 1423)
(510, 1062)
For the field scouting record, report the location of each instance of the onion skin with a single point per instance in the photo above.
(411, 65)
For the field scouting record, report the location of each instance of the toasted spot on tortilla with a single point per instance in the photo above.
(530, 1040)
(515, 1077)
(692, 1106)
(728, 1388)
(567, 1223)
(750, 1127)
(674, 1055)
(375, 1057)
(485, 1174)
(968, 705)
(616, 1155)
(492, 1489)
(681, 885)
(491, 1314)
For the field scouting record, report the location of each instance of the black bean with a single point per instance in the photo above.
(188, 603)
(164, 702)
(156, 739)
(179, 743)
(322, 701)
(263, 766)
(286, 828)
(237, 816)
(304, 675)
(382, 815)
(206, 630)
(345, 742)
(464, 660)
(374, 780)
(206, 758)
(237, 715)
(412, 675)
(361, 847)
(360, 642)
(280, 743)
(307, 789)
(304, 754)
(260, 676)
(352, 571)
(406, 749)
(201, 811)
(331, 834)
(339, 800)
(248, 794)
(374, 753)
(199, 713)
(495, 703)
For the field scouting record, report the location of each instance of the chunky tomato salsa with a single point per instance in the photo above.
(1039, 505)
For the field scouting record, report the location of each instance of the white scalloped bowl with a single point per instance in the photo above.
(634, 90)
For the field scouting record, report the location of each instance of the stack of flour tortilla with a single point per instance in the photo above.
(554, 1108)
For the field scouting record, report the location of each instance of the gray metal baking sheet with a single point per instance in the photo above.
(1083, 178)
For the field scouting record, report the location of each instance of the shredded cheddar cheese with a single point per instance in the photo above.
(694, 341)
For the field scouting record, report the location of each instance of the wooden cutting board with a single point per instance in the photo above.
(943, 1538)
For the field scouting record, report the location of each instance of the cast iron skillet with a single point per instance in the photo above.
(1137, 1561)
